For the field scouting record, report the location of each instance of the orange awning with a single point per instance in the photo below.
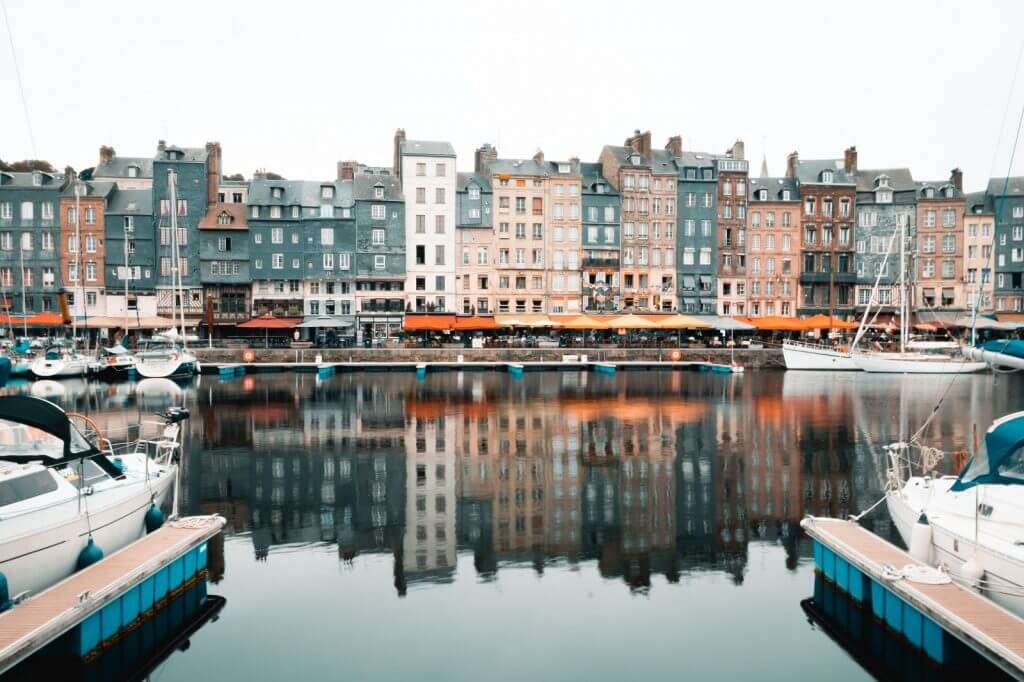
(583, 322)
(37, 320)
(827, 322)
(774, 323)
(428, 323)
(475, 323)
(270, 322)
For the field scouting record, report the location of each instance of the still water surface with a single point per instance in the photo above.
(562, 526)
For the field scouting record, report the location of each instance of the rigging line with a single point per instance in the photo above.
(17, 73)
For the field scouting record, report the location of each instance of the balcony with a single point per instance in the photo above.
(601, 262)
(390, 305)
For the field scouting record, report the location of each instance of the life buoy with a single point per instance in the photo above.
(676, 355)
(248, 356)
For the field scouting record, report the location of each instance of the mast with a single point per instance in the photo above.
(176, 280)
(24, 310)
(126, 275)
(904, 307)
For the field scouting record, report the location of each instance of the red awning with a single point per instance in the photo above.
(475, 323)
(270, 322)
(428, 323)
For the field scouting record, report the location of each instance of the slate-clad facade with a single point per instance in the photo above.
(476, 284)
(697, 230)
(129, 221)
(1008, 202)
(224, 264)
(601, 257)
(29, 205)
(886, 201)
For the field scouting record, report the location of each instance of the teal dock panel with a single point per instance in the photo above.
(147, 591)
(190, 562)
(89, 634)
(203, 555)
(110, 619)
(893, 611)
(856, 582)
(878, 599)
(818, 555)
(912, 625)
(828, 561)
(177, 573)
(130, 605)
(934, 640)
(161, 583)
(842, 574)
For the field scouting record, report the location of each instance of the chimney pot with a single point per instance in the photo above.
(850, 160)
(675, 145)
(956, 176)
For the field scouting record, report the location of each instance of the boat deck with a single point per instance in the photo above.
(983, 625)
(42, 618)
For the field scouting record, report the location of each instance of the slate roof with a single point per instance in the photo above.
(981, 201)
(939, 187)
(540, 169)
(92, 189)
(131, 202)
(591, 173)
(192, 154)
(24, 179)
(482, 181)
(775, 186)
(900, 179)
(214, 211)
(1015, 187)
(659, 161)
(118, 167)
(696, 160)
(808, 171)
(300, 193)
(427, 148)
(365, 182)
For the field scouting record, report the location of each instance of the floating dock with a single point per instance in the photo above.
(867, 568)
(326, 369)
(97, 603)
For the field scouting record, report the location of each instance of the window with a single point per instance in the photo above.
(439, 224)
(90, 272)
(328, 261)
(378, 212)
(326, 211)
(277, 235)
(327, 236)
(5, 210)
(474, 193)
(439, 254)
(344, 261)
(90, 242)
(379, 262)
(26, 210)
(439, 195)
(809, 206)
(254, 212)
(948, 218)
(277, 261)
(929, 219)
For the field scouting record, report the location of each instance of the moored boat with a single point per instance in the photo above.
(57, 362)
(801, 355)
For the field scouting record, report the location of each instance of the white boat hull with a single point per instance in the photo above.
(63, 367)
(32, 562)
(175, 365)
(896, 363)
(805, 356)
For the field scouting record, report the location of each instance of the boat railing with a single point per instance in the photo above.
(812, 346)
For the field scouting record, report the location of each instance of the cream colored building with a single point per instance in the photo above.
(979, 231)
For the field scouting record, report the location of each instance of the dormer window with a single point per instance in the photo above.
(599, 188)
(327, 192)
(762, 194)
(929, 193)
(37, 179)
(378, 192)
(563, 168)
(224, 218)
(883, 196)
(276, 192)
(474, 192)
(133, 171)
(634, 159)
(949, 192)
(785, 195)
(827, 176)
(295, 211)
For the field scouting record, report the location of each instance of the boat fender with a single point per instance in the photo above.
(5, 594)
(921, 540)
(118, 463)
(89, 555)
(972, 572)
(154, 518)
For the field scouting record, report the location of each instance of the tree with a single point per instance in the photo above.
(236, 176)
(27, 165)
(274, 176)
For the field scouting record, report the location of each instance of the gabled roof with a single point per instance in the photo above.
(191, 154)
(235, 213)
(130, 202)
(809, 171)
(900, 179)
(300, 193)
(364, 184)
(696, 160)
(92, 189)
(525, 167)
(979, 203)
(465, 179)
(591, 175)
(427, 148)
(118, 166)
(1014, 188)
(659, 161)
(940, 187)
(24, 179)
(775, 187)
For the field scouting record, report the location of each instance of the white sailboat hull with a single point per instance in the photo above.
(952, 520)
(62, 367)
(177, 364)
(913, 363)
(807, 356)
(35, 560)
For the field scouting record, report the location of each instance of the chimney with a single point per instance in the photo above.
(640, 142)
(737, 150)
(956, 176)
(213, 171)
(399, 139)
(791, 162)
(347, 170)
(161, 146)
(482, 158)
(259, 174)
(574, 165)
(675, 145)
(106, 155)
(850, 160)
(539, 156)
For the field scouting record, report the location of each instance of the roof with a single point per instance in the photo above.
(1014, 187)
(92, 189)
(696, 160)
(775, 187)
(191, 154)
(939, 186)
(365, 182)
(900, 179)
(808, 172)
(981, 201)
(234, 212)
(24, 179)
(118, 166)
(659, 161)
(131, 202)
(529, 167)
(299, 192)
(480, 180)
(591, 175)
(427, 148)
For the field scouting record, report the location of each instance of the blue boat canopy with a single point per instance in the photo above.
(22, 347)
(1000, 459)
(1014, 347)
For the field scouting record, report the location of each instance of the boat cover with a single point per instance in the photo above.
(999, 460)
(1009, 347)
(45, 416)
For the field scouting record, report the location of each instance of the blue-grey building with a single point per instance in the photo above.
(886, 201)
(601, 240)
(696, 232)
(29, 240)
(127, 172)
(224, 263)
(474, 244)
(129, 220)
(1007, 196)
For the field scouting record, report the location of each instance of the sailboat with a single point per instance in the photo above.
(969, 524)
(59, 361)
(909, 362)
(167, 355)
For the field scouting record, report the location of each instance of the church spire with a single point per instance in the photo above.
(764, 166)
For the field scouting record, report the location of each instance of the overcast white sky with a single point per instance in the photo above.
(294, 86)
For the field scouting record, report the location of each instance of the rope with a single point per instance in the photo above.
(916, 573)
(867, 511)
(21, 87)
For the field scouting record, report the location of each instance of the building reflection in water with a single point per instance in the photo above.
(638, 474)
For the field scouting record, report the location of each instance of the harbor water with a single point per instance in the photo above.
(553, 526)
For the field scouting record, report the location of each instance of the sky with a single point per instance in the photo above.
(295, 86)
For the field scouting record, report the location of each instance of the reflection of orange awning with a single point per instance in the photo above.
(270, 322)
(428, 323)
(926, 327)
